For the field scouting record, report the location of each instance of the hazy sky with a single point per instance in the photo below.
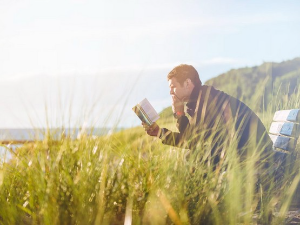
(74, 56)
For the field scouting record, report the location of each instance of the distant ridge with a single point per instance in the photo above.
(254, 85)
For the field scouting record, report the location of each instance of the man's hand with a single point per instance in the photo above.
(153, 130)
(177, 104)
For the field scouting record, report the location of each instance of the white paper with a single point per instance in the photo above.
(149, 110)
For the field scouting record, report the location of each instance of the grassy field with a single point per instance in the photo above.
(130, 178)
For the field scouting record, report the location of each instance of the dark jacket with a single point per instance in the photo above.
(213, 115)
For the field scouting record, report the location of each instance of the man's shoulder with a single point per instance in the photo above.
(223, 96)
(213, 91)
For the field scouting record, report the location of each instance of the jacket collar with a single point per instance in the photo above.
(191, 104)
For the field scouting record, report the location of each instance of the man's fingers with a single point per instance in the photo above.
(153, 126)
(151, 130)
(145, 125)
(175, 97)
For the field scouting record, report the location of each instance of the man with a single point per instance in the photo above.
(213, 115)
(213, 122)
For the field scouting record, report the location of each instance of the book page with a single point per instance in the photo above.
(149, 110)
(141, 114)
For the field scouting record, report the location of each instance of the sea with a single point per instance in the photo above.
(29, 134)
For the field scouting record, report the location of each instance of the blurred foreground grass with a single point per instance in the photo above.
(130, 178)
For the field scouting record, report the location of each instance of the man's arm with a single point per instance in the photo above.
(168, 137)
(175, 138)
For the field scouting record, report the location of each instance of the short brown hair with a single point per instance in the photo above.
(183, 72)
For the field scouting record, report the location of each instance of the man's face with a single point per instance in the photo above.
(178, 91)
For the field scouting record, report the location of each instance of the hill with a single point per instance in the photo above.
(256, 85)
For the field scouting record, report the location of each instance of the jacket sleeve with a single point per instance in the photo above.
(176, 138)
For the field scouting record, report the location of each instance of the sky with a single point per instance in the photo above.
(89, 62)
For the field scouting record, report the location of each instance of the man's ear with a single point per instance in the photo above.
(187, 82)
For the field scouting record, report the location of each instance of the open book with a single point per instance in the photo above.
(145, 111)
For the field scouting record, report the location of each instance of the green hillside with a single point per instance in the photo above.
(255, 85)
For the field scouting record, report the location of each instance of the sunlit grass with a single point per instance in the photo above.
(130, 178)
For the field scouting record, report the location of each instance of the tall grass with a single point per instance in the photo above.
(130, 178)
